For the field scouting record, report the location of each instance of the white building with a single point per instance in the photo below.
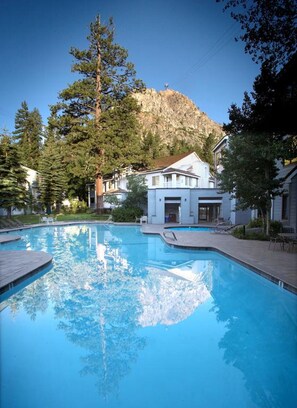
(185, 170)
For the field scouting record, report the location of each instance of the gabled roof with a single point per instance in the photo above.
(116, 191)
(167, 161)
(222, 141)
(287, 171)
(171, 170)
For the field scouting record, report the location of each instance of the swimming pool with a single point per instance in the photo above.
(123, 320)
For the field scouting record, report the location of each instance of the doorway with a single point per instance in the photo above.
(208, 212)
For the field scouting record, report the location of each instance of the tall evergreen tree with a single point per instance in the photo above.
(269, 28)
(268, 110)
(27, 134)
(257, 142)
(119, 134)
(153, 147)
(107, 78)
(52, 173)
(179, 146)
(250, 172)
(207, 150)
(13, 191)
(259, 126)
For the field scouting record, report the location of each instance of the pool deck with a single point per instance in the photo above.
(273, 263)
(16, 266)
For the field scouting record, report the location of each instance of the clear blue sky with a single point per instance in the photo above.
(188, 44)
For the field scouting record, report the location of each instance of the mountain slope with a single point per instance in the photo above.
(171, 115)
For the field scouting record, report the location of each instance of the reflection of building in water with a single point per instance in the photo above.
(97, 235)
(107, 248)
(170, 295)
(100, 251)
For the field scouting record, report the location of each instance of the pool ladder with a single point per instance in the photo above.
(173, 237)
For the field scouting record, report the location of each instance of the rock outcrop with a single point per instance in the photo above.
(172, 115)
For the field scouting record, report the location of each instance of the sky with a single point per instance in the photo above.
(187, 44)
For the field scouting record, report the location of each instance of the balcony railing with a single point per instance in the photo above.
(169, 184)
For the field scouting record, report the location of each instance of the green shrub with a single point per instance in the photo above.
(123, 214)
(240, 233)
(275, 227)
(77, 206)
(256, 223)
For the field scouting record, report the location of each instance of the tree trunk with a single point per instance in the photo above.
(48, 208)
(99, 192)
(98, 82)
(58, 207)
(8, 212)
(99, 179)
(268, 202)
(268, 218)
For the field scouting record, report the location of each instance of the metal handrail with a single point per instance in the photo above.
(170, 232)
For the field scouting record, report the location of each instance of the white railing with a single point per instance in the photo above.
(174, 185)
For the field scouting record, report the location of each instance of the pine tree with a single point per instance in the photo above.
(269, 28)
(153, 147)
(119, 135)
(52, 173)
(34, 142)
(207, 150)
(27, 134)
(13, 191)
(250, 172)
(81, 116)
(179, 146)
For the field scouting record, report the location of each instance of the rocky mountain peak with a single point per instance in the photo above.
(171, 114)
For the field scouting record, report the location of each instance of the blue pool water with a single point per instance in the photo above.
(122, 320)
(190, 229)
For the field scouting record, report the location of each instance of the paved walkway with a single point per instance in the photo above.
(274, 264)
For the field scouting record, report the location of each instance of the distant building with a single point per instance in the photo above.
(284, 207)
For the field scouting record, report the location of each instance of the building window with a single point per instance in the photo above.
(155, 180)
(285, 205)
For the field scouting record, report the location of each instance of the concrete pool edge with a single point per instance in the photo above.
(270, 275)
(258, 271)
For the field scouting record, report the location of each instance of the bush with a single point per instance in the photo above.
(240, 233)
(275, 227)
(75, 207)
(122, 214)
(256, 223)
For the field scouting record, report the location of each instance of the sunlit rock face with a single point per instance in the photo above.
(171, 114)
(168, 297)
